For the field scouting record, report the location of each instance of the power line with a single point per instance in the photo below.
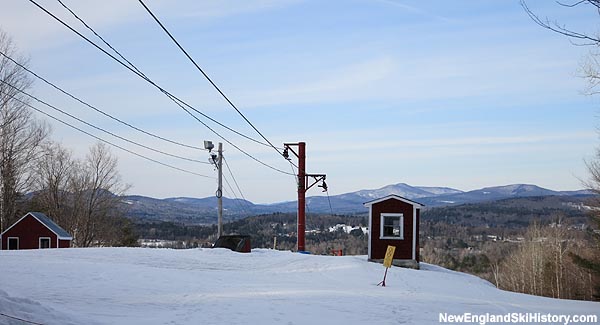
(100, 37)
(176, 100)
(292, 165)
(206, 76)
(110, 143)
(143, 76)
(235, 197)
(101, 129)
(95, 108)
(246, 202)
(20, 319)
(328, 200)
(233, 177)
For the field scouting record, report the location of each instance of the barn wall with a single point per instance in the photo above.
(29, 231)
(64, 243)
(403, 246)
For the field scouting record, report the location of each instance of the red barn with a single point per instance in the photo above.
(35, 230)
(394, 220)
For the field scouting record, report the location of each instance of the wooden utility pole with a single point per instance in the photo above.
(220, 189)
(217, 160)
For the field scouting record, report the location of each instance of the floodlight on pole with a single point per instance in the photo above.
(208, 145)
(217, 160)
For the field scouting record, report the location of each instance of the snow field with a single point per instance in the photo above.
(218, 286)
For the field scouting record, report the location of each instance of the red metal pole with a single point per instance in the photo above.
(301, 195)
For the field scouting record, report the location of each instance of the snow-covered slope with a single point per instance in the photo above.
(402, 189)
(439, 190)
(217, 286)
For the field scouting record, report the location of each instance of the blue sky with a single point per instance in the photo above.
(463, 94)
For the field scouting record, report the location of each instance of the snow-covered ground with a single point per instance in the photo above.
(217, 286)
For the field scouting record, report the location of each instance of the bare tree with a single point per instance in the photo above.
(559, 243)
(592, 263)
(540, 265)
(54, 177)
(83, 196)
(585, 38)
(20, 133)
(590, 69)
(96, 188)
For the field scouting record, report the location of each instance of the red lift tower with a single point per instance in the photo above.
(303, 186)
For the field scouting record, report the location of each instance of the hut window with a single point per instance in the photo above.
(44, 242)
(392, 226)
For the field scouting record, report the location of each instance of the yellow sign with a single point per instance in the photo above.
(389, 256)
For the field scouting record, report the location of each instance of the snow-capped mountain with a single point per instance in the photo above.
(491, 194)
(203, 210)
(402, 189)
(519, 190)
(430, 196)
(439, 190)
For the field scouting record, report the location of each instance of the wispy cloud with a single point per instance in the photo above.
(374, 81)
(372, 141)
(351, 82)
(42, 31)
(413, 9)
(226, 8)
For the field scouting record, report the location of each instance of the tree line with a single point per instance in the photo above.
(589, 70)
(543, 265)
(541, 259)
(267, 230)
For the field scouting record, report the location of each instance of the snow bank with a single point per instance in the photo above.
(218, 286)
(14, 310)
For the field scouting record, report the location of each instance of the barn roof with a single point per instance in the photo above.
(43, 219)
(393, 196)
(61, 233)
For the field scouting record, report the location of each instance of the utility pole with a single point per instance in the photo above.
(220, 189)
(217, 160)
(301, 195)
(303, 186)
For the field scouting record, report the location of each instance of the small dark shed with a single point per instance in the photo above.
(34, 230)
(237, 243)
(394, 220)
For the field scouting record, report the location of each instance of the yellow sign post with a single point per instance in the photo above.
(389, 256)
(387, 262)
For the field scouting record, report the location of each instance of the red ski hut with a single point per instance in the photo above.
(394, 220)
(35, 230)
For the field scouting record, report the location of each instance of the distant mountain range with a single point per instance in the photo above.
(203, 210)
